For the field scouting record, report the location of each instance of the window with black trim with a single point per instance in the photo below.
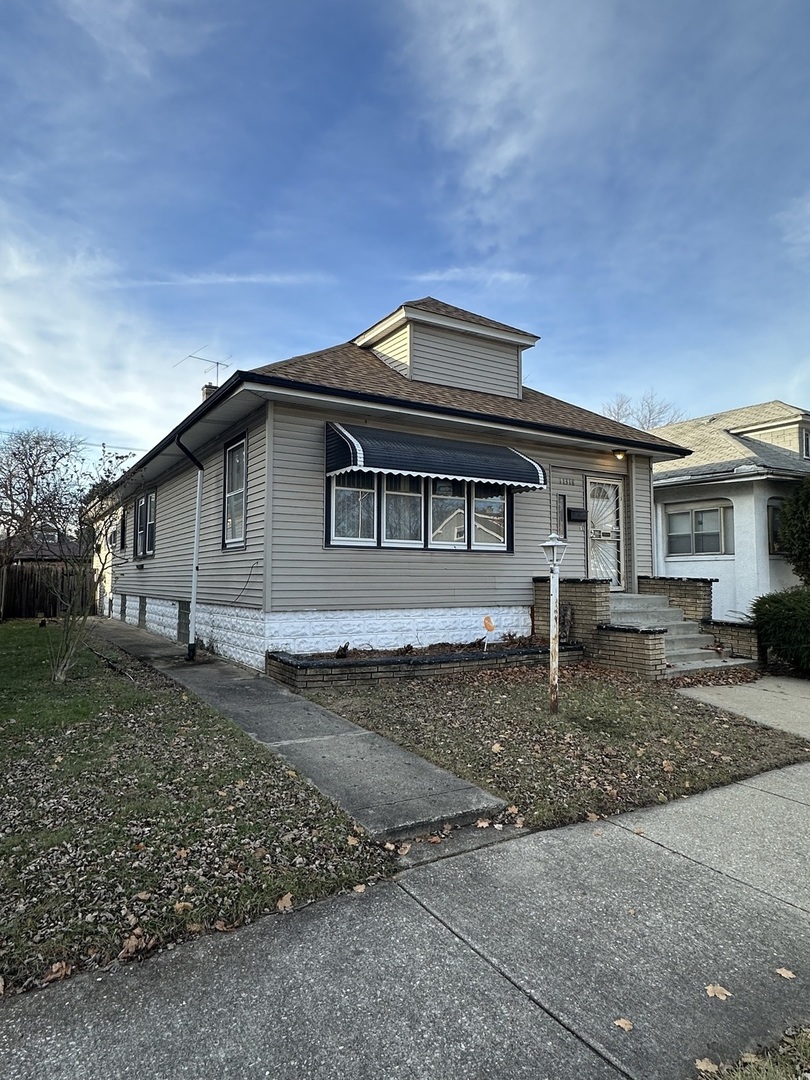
(805, 443)
(396, 510)
(448, 513)
(705, 530)
(489, 515)
(354, 508)
(122, 531)
(145, 525)
(234, 494)
(403, 518)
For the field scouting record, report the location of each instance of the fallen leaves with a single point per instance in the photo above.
(285, 903)
(403, 849)
(715, 990)
(483, 823)
(359, 888)
(786, 973)
(58, 971)
(706, 1065)
(624, 1024)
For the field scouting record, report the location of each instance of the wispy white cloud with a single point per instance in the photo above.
(285, 279)
(131, 33)
(74, 360)
(794, 223)
(472, 275)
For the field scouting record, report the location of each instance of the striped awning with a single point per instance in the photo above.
(350, 447)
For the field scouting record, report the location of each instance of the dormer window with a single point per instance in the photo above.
(806, 442)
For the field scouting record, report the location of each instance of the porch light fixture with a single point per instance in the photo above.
(619, 454)
(554, 550)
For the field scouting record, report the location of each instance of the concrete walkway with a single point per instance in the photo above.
(777, 701)
(392, 793)
(509, 962)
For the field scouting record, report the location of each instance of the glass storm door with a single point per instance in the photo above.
(605, 545)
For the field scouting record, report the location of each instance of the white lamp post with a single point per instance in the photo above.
(554, 551)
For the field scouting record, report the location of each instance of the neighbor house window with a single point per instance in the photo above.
(448, 513)
(354, 508)
(805, 443)
(774, 521)
(233, 524)
(122, 531)
(489, 515)
(701, 531)
(402, 510)
(145, 525)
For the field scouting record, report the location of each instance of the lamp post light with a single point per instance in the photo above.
(554, 551)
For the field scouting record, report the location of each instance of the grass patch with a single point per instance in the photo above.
(135, 817)
(790, 1060)
(616, 744)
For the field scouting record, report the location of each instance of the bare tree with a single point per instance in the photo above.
(645, 412)
(40, 484)
(54, 504)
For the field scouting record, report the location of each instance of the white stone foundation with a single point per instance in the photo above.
(244, 634)
(325, 631)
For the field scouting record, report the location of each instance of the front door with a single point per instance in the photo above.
(605, 544)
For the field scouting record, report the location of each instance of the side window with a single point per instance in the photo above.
(145, 506)
(233, 524)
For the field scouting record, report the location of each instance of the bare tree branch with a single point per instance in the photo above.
(646, 412)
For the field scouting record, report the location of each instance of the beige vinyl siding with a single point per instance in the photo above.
(308, 574)
(234, 576)
(396, 350)
(465, 360)
(641, 520)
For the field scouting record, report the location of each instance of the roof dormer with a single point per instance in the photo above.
(430, 341)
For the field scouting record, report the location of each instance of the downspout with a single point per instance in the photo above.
(192, 614)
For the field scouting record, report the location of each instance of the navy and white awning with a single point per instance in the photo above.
(349, 447)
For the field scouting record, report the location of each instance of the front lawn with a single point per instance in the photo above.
(134, 817)
(616, 744)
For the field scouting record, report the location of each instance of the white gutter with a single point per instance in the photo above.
(195, 559)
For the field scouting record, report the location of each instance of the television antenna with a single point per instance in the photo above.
(205, 360)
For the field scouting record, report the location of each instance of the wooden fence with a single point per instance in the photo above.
(40, 590)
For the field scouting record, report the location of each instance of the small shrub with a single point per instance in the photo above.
(782, 621)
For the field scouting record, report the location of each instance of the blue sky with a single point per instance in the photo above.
(629, 179)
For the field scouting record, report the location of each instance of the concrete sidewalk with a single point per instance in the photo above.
(505, 963)
(391, 792)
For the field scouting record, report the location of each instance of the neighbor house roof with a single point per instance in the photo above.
(722, 449)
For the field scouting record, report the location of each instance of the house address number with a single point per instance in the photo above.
(566, 482)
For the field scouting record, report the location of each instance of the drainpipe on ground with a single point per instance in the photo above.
(192, 615)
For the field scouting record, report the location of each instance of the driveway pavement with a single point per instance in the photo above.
(513, 961)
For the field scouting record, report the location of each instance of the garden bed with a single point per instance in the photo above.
(313, 672)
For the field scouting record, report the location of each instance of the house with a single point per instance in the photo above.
(717, 513)
(392, 489)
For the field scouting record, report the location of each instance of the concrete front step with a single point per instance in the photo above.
(687, 649)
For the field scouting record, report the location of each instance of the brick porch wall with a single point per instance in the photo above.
(692, 595)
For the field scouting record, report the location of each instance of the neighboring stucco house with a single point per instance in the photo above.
(393, 489)
(717, 513)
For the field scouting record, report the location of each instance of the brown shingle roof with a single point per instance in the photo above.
(438, 307)
(348, 368)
